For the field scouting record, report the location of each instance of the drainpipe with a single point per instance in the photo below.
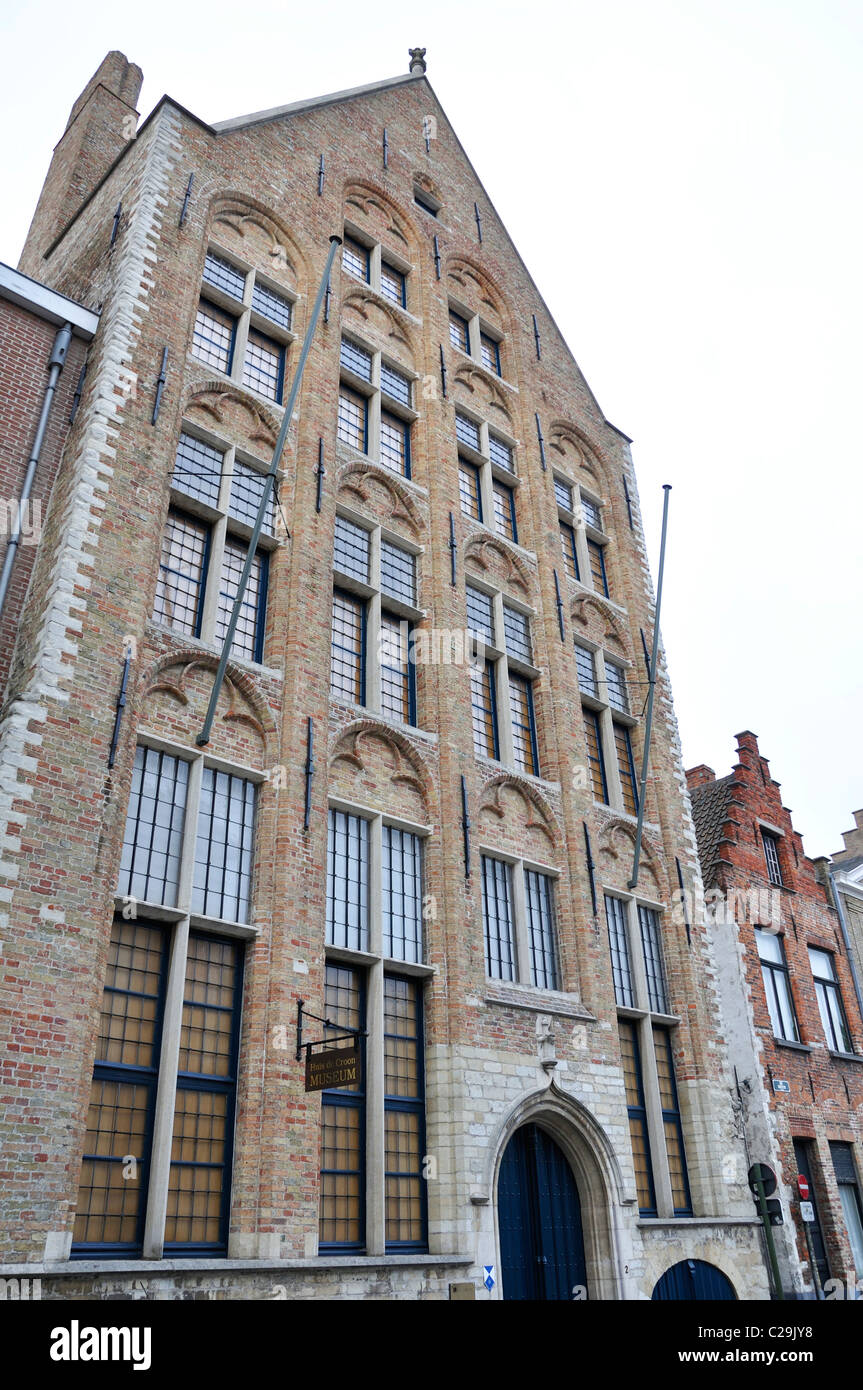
(55, 367)
(837, 901)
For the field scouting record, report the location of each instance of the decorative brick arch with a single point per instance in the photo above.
(368, 199)
(357, 478)
(369, 306)
(240, 688)
(241, 211)
(211, 398)
(613, 627)
(479, 548)
(406, 765)
(616, 834)
(482, 385)
(592, 458)
(540, 815)
(472, 281)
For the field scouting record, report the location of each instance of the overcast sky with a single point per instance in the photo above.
(683, 181)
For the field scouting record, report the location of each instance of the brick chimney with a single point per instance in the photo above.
(100, 124)
(699, 776)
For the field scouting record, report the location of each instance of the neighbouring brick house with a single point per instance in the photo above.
(33, 330)
(790, 1007)
(445, 865)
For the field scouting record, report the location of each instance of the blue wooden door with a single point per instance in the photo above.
(539, 1218)
(693, 1279)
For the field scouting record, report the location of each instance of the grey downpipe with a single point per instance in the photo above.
(55, 367)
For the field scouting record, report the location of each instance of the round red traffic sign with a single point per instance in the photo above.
(803, 1187)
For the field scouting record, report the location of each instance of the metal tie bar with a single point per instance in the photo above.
(442, 371)
(116, 223)
(204, 736)
(160, 386)
(559, 602)
(591, 867)
(187, 196)
(310, 772)
(452, 548)
(465, 825)
(478, 222)
(320, 471)
(536, 339)
(541, 441)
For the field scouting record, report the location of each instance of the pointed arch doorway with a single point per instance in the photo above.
(539, 1219)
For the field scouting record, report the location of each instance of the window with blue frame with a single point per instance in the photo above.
(213, 336)
(637, 1111)
(393, 284)
(519, 927)
(112, 1192)
(343, 1114)
(390, 928)
(202, 838)
(647, 1056)
(373, 624)
(264, 366)
(210, 543)
(671, 1122)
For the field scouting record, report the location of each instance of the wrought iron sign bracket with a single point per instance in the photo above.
(355, 1033)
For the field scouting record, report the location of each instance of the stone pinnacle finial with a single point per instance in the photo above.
(417, 57)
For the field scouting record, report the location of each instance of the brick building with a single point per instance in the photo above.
(444, 866)
(791, 1012)
(45, 337)
(845, 872)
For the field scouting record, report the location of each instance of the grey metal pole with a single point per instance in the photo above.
(204, 736)
(55, 367)
(648, 725)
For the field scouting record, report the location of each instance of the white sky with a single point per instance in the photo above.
(683, 180)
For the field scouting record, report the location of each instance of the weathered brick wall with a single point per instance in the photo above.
(26, 341)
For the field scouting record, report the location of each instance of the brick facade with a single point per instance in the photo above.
(796, 1082)
(268, 192)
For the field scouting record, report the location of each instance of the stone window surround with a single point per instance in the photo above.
(608, 717)
(584, 532)
(502, 661)
(375, 600)
(644, 1020)
(376, 965)
(489, 472)
(520, 928)
(246, 318)
(183, 921)
(221, 526)
(376, 400)
(378, 253)
(477, 325)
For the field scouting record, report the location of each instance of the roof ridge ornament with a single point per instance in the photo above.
(417, 57)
